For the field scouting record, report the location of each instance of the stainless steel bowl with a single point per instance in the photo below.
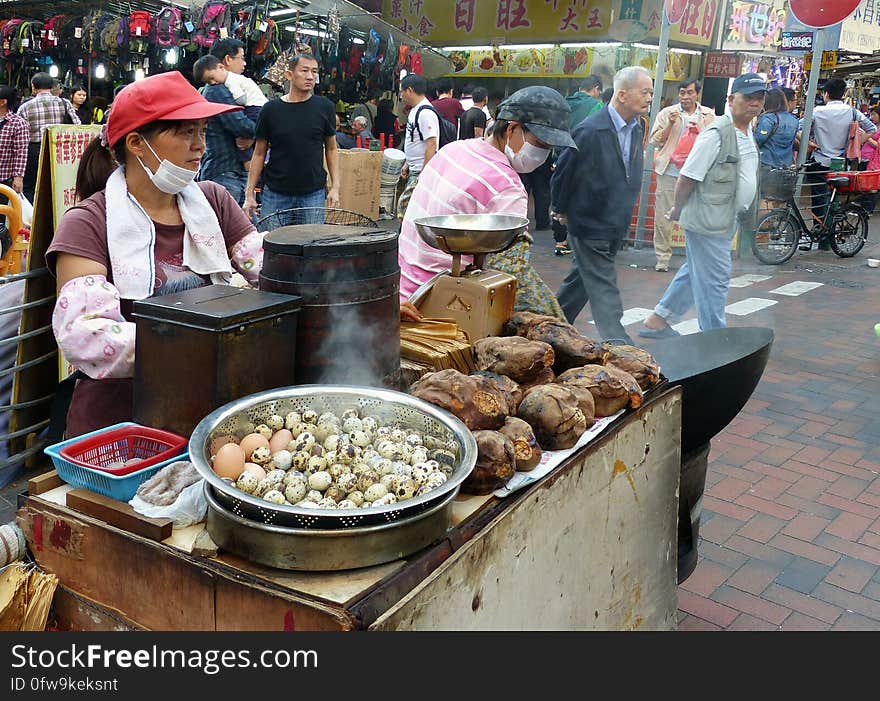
(330, 549)
(471, 233)
(240, 417)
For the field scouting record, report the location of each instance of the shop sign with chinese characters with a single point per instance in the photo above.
(506, 21)
(753, 26)
(860, 33)
(721, 65)
(796, 41)
(829, 60)
(463, 22)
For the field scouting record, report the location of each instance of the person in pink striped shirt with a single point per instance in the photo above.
(480, 176)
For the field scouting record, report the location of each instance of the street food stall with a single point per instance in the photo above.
(347, 506)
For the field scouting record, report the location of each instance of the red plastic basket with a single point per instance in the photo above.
(859, 181)
(124, 443)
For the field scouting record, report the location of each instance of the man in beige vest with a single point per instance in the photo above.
(718, 187)
(672, 126)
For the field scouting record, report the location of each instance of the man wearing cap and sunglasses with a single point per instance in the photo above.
(718, 188)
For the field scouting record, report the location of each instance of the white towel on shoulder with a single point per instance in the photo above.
(131, 239)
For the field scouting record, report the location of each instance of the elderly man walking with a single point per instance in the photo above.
(593, 191)
(674, 132)
(718, 186)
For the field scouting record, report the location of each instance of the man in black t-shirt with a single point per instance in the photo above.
(473, 121)
(300, 130)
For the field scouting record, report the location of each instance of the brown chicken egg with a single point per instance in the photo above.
(255, 470)
(251, 442)
(280, 440)
(229, 461)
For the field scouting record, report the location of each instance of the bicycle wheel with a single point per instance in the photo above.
(849, 230)
(776, 237)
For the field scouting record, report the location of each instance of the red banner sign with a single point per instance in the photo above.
(721, 65)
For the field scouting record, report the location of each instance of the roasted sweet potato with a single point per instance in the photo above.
(636, 361)
(554, 415)
(496, 463)
(525, 445)
(572, 350)
(545, 377)
(521, 323)
(518, 358)
(504, 384)
(478, 403)
(612, 389)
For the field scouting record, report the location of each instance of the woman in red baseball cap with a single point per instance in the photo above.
(142, 227)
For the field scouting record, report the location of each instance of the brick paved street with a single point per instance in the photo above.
(790, 531)
(790, 528)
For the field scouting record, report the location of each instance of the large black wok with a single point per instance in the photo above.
(718, 370)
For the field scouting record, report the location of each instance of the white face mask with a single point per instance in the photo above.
(169, 178)
(529, 158)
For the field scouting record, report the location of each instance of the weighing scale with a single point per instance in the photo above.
(479, 300)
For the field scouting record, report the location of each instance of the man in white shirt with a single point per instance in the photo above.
(830, 132)
(422, 134)
(717, 187)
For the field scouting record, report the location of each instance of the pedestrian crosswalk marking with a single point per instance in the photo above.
(747, 280)
(795, 289)
(686, 328)
(633, 316)
(749, 306)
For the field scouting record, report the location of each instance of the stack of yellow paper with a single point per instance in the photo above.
(433, 344)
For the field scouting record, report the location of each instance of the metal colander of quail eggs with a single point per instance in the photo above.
(331, 461)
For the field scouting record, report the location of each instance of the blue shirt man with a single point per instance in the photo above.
(222, 162)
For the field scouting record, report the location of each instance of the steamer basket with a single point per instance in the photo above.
(392, 408)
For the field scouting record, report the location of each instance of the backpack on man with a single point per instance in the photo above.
(448, 132)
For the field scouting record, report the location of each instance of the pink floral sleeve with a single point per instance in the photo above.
(90, 328)
(247, 256)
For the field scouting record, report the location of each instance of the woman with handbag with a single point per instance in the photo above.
(775, 135)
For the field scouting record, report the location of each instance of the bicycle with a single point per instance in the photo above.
(780, 232)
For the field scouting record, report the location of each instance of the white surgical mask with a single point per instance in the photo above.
(529, 158)
(169, 178)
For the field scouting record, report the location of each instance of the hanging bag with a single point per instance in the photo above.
(684, 146)
(853, 140)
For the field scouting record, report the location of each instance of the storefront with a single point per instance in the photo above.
(510, 45)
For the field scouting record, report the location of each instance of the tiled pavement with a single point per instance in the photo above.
(790, 531)
(790, 527)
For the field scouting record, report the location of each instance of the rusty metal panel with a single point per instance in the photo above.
(593, 547)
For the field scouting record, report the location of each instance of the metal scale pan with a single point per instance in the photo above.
(479, 300)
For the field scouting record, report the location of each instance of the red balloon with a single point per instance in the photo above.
(675, 10)
(822, 13)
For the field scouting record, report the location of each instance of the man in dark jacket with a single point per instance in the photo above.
(586, 101)
(593, 191)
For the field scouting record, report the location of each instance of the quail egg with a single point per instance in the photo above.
(350, 413)
(314, 495)
(308, 504)
(310, 417)
(368, 423)
(348, 483)
(366, 479)
(275, 422)
(327, 503)
(300, 460)
(375, 491)
(264, 431)
(332, 442)
(346, 504)
(291, 420)
(387, 500)
(317, 463)
(274, 496)
(337, 471)
(261, 455)
(357, 497)
(398, 435)
(295, 492)
(405, 489)
(320, 480)
(352, 424)
(359, 439)
(335, 492)
(247, 483)
(282, 460)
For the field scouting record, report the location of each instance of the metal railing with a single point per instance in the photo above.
(36, 425)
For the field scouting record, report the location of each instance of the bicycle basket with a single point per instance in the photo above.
(313, 215)
(779, 183)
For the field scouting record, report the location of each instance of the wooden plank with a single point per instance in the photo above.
(118, 513)
(72, 612)
(147, 583)
(43, 483)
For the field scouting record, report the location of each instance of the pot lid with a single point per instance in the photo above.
(328, 240)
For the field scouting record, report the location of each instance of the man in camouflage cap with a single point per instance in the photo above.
(543, 111)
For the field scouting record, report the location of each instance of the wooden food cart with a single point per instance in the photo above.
(593, 545)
